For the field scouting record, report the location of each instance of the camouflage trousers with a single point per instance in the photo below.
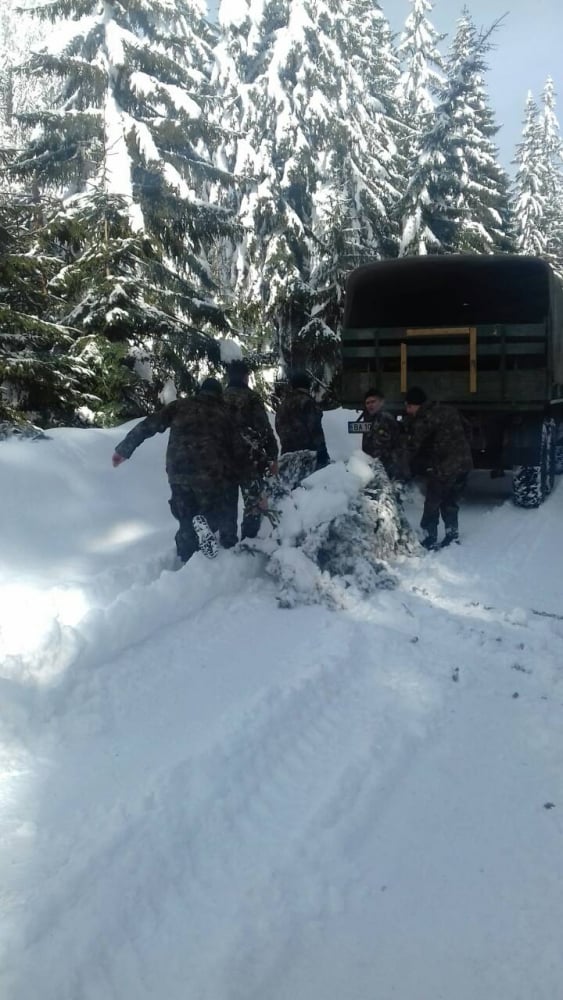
(218, 506)
(442, 496)
(252, 515)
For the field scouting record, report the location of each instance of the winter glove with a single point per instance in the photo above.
(117, 459)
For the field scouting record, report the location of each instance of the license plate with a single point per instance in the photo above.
(359, 427)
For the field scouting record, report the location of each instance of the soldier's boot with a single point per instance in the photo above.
(429, 524)
(452, 535)
(186, 542)
(250, 525)
(207, 541)
(451, 528)
(430, 542)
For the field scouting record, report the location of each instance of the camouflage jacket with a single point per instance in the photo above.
(299, 425)
(249, 415)
(383, 440)
(439, 436)
(205, 450)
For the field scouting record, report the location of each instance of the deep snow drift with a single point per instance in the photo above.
(205, 796)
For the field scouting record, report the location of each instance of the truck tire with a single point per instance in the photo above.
(549, 431)
(527, 486)
(531, 484)
(559, 449)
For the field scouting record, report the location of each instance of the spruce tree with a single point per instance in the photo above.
(422, 75)
(355, 202)
(375, 132)
(422, 67)
(457, 199)
(552, 159)
(127, 147)
(19, 33)
(307, 88)
(485, 223)
(530, 184)
(42, 374)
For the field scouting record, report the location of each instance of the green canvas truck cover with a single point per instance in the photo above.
(458, 290)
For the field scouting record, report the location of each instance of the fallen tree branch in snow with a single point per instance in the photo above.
(338, 530)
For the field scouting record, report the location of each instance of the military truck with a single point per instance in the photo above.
(484, 333)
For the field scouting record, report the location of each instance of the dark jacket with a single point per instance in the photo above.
(440, 438)
(299, 425)
(383, 440)
(205, 450)
(250, 417)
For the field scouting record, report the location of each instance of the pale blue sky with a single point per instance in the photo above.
(529, 47)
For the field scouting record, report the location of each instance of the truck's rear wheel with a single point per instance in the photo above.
(527, 486)
(531, 484)
(549, 431)
(559, 448)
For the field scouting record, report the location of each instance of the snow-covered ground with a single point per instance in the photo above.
(207, 797)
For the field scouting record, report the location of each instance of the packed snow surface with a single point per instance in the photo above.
(208, 797)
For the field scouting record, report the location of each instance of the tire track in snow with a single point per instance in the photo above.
(258, 821)
(496, 643)
(241, 816)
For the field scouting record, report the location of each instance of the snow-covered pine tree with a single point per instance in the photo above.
(423, 70)
(422, 76)
(530, 184)
(19, 33)
(306, 90)
(552, 157)
(348, 553)
(42, 377)
(374, 128)
(335, 249)
(485, 218)
(273, 164)
(127, 147)
(320, 103)
(457, 199)
(354, 205)
(232, 73)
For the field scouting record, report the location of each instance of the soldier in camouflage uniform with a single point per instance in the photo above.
(299, 420)
(203, 461)
(383, 440)
(440, 444)
(249, 416)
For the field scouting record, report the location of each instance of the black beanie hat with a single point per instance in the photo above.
(416, 396)
(211, 386)
(374, 393)
(300, 380)
(237, 371)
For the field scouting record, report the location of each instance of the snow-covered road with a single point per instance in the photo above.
(208, 797)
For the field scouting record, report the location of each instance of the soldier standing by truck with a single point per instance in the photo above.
(299, 420)
(383, 439)
(439, 443)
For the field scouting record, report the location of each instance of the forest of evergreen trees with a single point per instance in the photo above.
(168, 185)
